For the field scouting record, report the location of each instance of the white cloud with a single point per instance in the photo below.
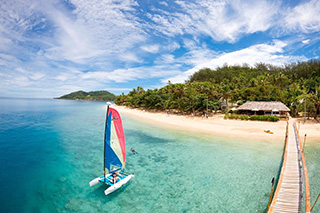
(8, 60)
(118, 75)
(72, 41)
(36, 76)
(151, 48)
(306, 41)
(97, 30)
(125, 75)
(163, 3)
(57, 44)
(94, 30)
(165, 59)
(62, 77)
(5, 43)
(197, 53)
(304, 17)
(266, 53)
(172, 46)
(223, 20)
(129, 57)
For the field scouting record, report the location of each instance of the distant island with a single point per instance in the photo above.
(89, 96)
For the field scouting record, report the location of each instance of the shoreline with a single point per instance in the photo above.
(218, 126)
(215, 125)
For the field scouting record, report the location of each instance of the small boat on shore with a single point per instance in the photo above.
(268, 131)
(114, 154)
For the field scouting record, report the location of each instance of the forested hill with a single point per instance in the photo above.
(301, 72)
(297, 85)
(89, 96)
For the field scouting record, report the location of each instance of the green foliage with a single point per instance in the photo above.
(264, 118)
(210, 90)
(244, 117)
(252, 117)
(92, 96)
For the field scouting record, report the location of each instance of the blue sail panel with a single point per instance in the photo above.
(113, 160)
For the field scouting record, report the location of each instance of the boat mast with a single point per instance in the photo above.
(104, 147)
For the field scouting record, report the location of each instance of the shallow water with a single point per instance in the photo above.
(51, 149)
(312, 155)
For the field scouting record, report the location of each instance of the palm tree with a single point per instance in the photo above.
(315, 98)
(225, 94)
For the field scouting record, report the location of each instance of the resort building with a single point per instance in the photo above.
(276, 108)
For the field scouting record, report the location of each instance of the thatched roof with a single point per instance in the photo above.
(264, 106)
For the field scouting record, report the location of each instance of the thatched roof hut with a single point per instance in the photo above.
(264, 107)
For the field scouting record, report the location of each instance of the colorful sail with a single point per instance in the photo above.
(115, 147)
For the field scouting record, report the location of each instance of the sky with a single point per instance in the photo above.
(49, 48)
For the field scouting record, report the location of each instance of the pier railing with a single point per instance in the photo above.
(280, 175)
(305, 172)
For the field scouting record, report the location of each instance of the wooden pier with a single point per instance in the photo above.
(289, 191)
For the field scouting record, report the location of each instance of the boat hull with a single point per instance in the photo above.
(112, 187)
(94, 181)
(118, 185)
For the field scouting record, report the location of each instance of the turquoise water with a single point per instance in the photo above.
(312, 155)
(51, 149)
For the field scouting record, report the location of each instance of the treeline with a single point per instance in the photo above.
(297, 85)
(89, 96)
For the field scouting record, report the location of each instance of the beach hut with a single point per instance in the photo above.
(275, 108)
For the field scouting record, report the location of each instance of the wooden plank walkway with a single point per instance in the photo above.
(288, 195)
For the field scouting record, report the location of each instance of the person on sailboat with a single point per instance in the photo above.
(114, 178)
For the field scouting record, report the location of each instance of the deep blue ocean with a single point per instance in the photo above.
(51, 149)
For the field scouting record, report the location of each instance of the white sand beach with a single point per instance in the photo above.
(218, 126)
(215, 125)
(310, 128)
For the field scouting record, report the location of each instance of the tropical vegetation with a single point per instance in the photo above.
(252, 117)
(297, 85)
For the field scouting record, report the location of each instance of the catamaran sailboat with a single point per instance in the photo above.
(114, 154)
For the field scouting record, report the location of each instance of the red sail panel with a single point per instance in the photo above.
(119, 130)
